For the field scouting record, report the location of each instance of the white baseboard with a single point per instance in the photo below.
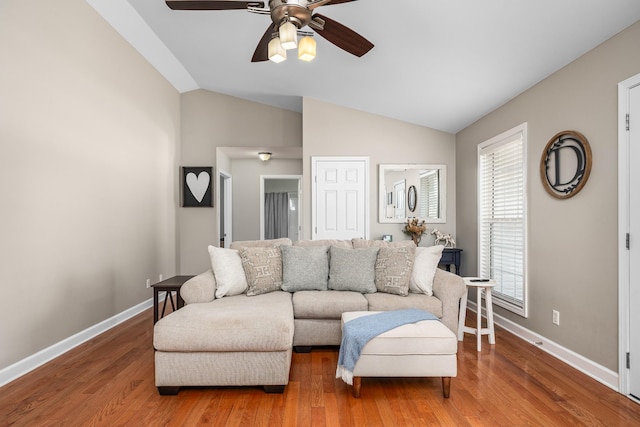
(596, 371)
(38, 359)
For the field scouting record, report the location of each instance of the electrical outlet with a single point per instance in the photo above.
(556, 317)
(160, 278)
(148, 283)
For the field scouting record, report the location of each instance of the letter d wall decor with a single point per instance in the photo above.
(196, 186)
(565, 164)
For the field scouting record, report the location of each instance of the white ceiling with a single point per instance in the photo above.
(442, 64)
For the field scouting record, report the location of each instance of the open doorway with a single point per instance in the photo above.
(225, 209)
(280, 203)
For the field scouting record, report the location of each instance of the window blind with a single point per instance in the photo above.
(502, 218)
(429, 197)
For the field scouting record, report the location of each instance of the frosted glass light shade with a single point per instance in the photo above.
(276, 52)
(288, 36)
(307, 49)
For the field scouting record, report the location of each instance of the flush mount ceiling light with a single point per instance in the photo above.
(264, 155)
(285, 15)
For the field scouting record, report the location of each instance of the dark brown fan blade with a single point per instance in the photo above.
(262, 50)
(338, 2)
(211, 4)
(343, 37)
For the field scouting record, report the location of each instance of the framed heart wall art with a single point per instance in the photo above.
(196, 186)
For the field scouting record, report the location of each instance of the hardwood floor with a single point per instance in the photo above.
(110, 381)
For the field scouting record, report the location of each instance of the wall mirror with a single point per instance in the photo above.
(412, 190)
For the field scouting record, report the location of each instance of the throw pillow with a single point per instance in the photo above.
(424, 269)
(305, 268)
(393, 270)
(352, 269)
(228, 271)
(263, 268)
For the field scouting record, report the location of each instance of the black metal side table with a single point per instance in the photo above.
(451, 256)
(168, 286)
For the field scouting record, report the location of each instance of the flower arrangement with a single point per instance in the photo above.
(415, 228)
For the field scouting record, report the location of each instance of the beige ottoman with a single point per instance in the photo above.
(422, 349)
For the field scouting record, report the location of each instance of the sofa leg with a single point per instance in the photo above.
(274, 389)
(168, 391)
(446, 386)
(302, 349)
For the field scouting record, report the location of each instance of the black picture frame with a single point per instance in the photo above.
(412, 198)
(196, 186)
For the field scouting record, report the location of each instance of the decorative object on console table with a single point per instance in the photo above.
(415, 228)
(443, 239)
(451, 256)
(168, 286)
(196, 186)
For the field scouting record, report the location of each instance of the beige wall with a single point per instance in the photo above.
(246, 191)
(331, 130)
(211, 120)
(572, 243)
(88, 136)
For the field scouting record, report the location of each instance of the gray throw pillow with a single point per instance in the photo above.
(305, 268)
(393, 269)
(352, 269)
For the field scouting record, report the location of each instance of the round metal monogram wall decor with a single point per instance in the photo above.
(566, 164)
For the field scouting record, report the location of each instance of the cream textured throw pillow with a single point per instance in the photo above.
(263, 268)
(228, 271)
(424, 268)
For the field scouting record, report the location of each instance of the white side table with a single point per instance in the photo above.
(478, 330)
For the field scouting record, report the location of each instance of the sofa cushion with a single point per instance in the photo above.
(235, 323)
(393, 269)
(228, 271)
(424, 269)
(272, 243)
(326, 304)
(384, 302)
(346, 244)
(305, 268)
(263, 268)
(366, 243)
(352, 269)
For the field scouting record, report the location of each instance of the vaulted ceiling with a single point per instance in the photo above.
(440, 64)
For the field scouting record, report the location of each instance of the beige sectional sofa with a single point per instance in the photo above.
(247, 339)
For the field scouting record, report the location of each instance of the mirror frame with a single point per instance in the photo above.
(382, 196)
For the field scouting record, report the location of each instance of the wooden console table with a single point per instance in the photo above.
(451, 256)
(168, 286)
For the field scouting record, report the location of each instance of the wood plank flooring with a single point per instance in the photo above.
(109, 381)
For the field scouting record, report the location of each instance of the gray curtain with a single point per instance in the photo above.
(276, 215)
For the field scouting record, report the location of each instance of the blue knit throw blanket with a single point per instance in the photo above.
(358, 332)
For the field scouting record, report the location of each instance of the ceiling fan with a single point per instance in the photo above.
(296, 12)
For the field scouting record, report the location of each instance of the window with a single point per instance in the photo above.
(502, 218)
(429, 196)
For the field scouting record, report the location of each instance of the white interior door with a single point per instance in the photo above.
(340, 197)
(634, 246)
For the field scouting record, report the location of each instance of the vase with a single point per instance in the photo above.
(416, 238)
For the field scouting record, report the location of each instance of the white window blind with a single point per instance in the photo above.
(502, 217)
(429, 197)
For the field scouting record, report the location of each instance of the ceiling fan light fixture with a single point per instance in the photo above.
(307, 49)
(264, 155)
(276, 52)
(288, 35)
